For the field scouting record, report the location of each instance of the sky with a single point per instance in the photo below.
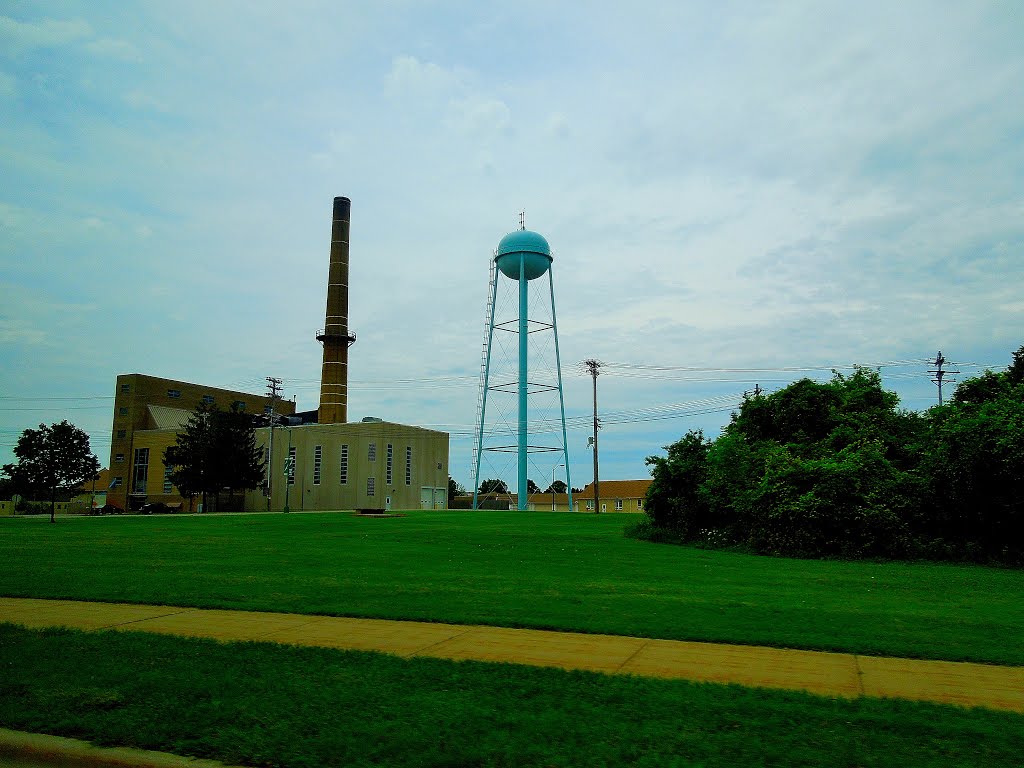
(736, 195)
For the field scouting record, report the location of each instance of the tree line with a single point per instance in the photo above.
(837, 469)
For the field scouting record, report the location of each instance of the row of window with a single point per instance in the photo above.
(618, 504)
(176, 393)
(371, 455)
(140, 468)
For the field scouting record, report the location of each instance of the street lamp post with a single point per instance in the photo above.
(553, 485)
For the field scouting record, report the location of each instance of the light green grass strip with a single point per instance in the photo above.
(558, 571)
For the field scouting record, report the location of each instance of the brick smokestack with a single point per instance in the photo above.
(335, 336)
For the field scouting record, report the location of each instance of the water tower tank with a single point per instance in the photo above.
(531, 246)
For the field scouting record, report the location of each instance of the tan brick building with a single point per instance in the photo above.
(367, 465)
(371, 464)
(616, 496)
(149, 404)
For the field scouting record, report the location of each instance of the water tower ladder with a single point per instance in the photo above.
(488, 311)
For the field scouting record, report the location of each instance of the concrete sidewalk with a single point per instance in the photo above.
(825, 674)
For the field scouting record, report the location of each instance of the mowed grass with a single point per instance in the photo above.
(560, 571)
(271, 705)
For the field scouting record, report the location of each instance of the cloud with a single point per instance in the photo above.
(17, 331)
(480, 116)
(48, 33)
(114, 49)
(410, 76)
(145, 101)
(557, 125)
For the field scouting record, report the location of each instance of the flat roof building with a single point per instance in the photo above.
(367, 465)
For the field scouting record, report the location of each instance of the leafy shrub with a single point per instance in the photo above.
(853, 504)
(673, 499)
(837, 470)
(975, 465)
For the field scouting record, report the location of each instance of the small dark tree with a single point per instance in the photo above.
(455, 488)
(493, 486)
(558, 486)
(216, 450)
(1015, 373)
(674, 501)
(240, 460)
(50, 459)
(191, 458)
(532, 487)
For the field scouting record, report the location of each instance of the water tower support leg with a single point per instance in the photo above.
(524, 339)
(561, 397)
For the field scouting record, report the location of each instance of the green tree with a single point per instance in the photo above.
(191, 459)
(853, 503)
(241, 460)
(1015, 373)
(51, 459)
(558, 486)
(974, 462)
(674, 499)
(532, 487)
(455, 488)
(216, 449)
(493, 486)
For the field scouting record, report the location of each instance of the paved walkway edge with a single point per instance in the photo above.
(824, 674)
(43, 749)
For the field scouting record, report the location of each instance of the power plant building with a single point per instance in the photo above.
(331, 464)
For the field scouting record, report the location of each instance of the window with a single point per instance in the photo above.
(371, 486)
(391, 461)
(371, 452)
(175, 393)
(239, 405)
(291, 466)
(318, 457)
(618, 505)
(208, 399)
(408, 465)
(267, 410)
(639, 503)
(118, 457)
(168, 486)
(590, 505)
(126, 387)
(121, 433)
(343, 475)
(116, 482)
(122, 411)
(140, 470)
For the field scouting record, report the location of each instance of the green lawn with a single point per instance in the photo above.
(561, 571)
(266, 705)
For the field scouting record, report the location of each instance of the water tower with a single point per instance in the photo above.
(520, 261)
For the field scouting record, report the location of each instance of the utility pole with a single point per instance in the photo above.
(274, 392)
(939, 372)
(594, 366)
